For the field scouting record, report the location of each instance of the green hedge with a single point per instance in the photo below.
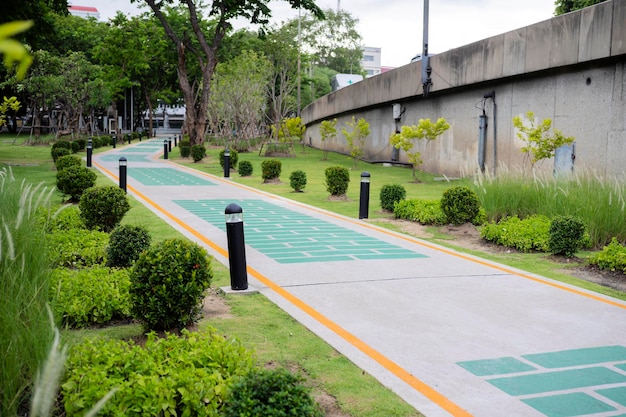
(531, 233)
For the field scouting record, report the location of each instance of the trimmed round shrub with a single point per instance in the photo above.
(168, 283)
(270, 169)
(67, 161)
(185, 148)
(390, 194)
(297, 180)
(126, 243)
(198, 152)
(74, 180)
(337, 180)
(62, 144)
(58, 152)
(103, 207)
(75, 147)
(460, 205)
(245, 168)
(82, 144)
(271, 393)
(65, 218)
(566, 235)
(234, 158)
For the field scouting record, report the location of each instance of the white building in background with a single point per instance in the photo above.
(371, 60)
(84, 11)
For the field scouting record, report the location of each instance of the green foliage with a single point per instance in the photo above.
(185, 148)
(297, 180)
(422, 211)
(187, 375)
(460, 205)
(75, 248)
(13, 51)
(271, 393)
(62, 144)
(270, 169)
(356, 137)
(75, 147)
(65, 218)
(126, 243)
(290, 129)
(566, 235)
(58, 152)
(82, 297)
(566, 6)
(234, 158)
(198, 152)
(538, 143)
(74, 180)
(103, 207)
(328, 130)
(168, 283)
(25, 330)
(390, 194)
(526, 235)
(245, 168)
(10, 104)
(67, 161)
(612, 257)
(82, 143)
(337, 180)
(425, 129)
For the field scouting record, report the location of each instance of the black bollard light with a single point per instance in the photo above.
(165, 149)
(175, 144)
(129, 137)
(113, 140)
(236, 247)
(169, 144)
(89, 152)
(226, 163)
(364, 200)
(123, 165)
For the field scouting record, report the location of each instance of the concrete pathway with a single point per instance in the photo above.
(452, 334)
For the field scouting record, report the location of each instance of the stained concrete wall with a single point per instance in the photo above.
(571, 69)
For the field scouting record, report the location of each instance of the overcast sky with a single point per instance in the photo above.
(396, 26)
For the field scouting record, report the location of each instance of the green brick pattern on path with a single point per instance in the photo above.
(129, 157)
(165, 176)
(568, 383)
(288, 237)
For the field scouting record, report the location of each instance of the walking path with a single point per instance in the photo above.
(452, 334)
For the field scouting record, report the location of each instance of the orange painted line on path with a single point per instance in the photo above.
(382, 360)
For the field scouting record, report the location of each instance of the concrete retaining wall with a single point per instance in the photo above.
(571, 69)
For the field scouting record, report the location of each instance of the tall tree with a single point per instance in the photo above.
(38, 11)
(566, 6)
(333, 42)
(205, 51)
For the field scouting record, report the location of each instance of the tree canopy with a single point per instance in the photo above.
(566, 6)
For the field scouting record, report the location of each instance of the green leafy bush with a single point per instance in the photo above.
(460, 205)
(232, 161)
(245, 168)
(297, 180)
(65, 218)
(67, 161)
(187, 375)
(185, 148)
(422, 211)
(566, 235)
(82, 144)
(390, 194)
(612, 257)
(168, 283)
(89, 296)
(59, 152)
(198, 152)
(74, 180)
(103, 207)
(270, 169)
(77, 248)
(75, 147)
(126, 243)
(526, 235)
(337, 180)
(271, 393)
(62, 144)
